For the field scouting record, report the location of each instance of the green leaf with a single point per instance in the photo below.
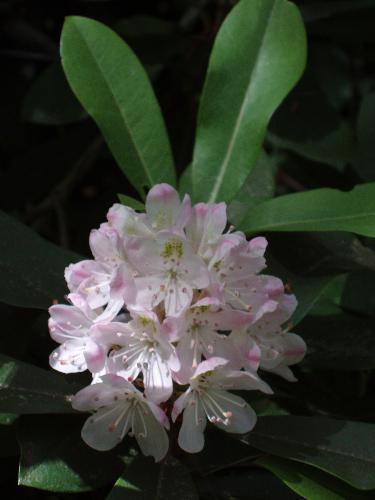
(26, 388)
(258, 56)
(365, 154)
(32, 278)
(131, 202)
(321, 10)
(358, 294)
(316, 210)
(50, 101)
(185, 184)
(311, 483)
(334, 149)
(308, 291)
(259, 186)
(114, 89)
(341, 342)
(345, 449)
(169, 479)
(55, 458)
(307, 124)
(250, 482)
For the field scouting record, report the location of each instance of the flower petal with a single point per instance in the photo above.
(191, 435)
(241, 417)
(108, 426)
(149, 433)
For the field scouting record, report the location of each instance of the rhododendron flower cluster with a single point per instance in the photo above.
(169, 317)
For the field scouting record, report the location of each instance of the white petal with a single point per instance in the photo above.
(191, 435)
(157, 378)
(240, 416)
(187, 351)
(162, 206)
(69, 357)
(180, 404)
(178, 296)
(149, 433)
(108, 426)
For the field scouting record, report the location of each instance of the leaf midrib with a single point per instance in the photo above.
(232, 139)
(123, 116)
(312, 221)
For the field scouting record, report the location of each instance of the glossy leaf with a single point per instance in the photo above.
(245, 483)
(169, 479)
(340, 341)
(365, 154)
(311, 483)
(258, 187)
(307, 124)
(308, 291)
(114, 89)
(258, 56)
(55, 458)
(50, 101)
(342, 448)
(32, 278)
(316, 210)
(321, 10)
(26, 388)
(131, 202)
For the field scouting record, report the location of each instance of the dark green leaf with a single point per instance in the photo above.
(258, 56)
(308, 291)
(250, 483)
(342, 448)
(307, 124)
(258, 187)
(321, 10)
(342, 342)
(114, 89)
(311, 483)
(50, 101)
(334, 149)
(131, 202)
(54, 457)
(358, 294)
(26, 388)
(168, 480)
(321, 253)
(365, 157)
(316, 210)
(32, 278)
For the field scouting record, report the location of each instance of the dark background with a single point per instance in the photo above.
(57, 176)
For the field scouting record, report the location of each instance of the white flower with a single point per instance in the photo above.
(171, 300)
(168, 271)
(121, 409)
(208, 398)
(140, 347)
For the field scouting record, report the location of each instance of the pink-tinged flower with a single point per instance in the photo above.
(70, 326)
(140, 347)
(169, 271)
(164, 210)
(128, 223)
(102, 285)
(208, 398)
(235, 266)
(121, 409)
(197, 332)
(107, 247)
(278, 348)
(205, 228)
